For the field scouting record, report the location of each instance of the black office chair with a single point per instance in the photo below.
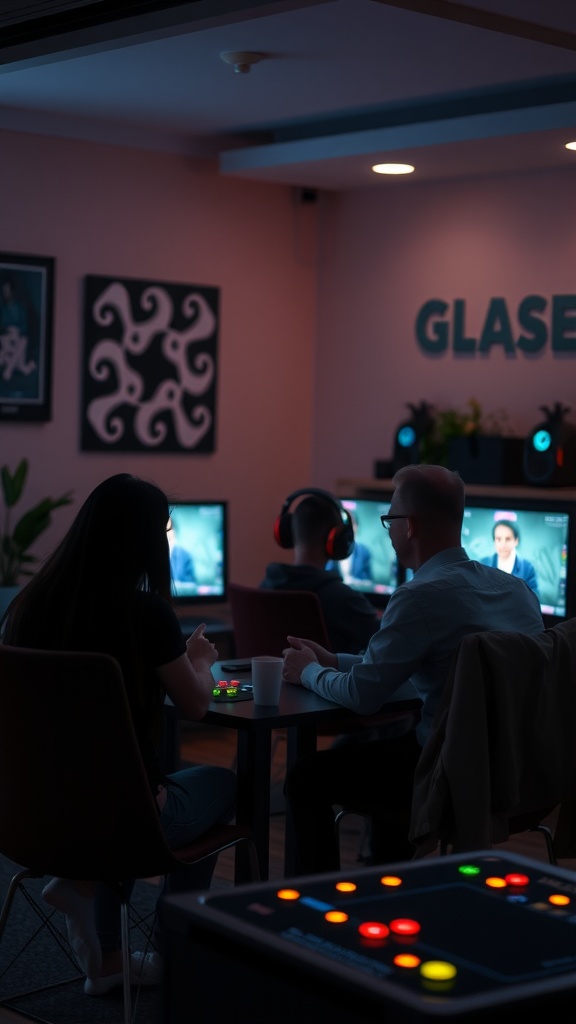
(75, 801)
(262, 619)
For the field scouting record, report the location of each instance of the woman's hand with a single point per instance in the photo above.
(201, 652)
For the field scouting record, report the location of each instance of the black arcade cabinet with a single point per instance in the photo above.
(474, 937)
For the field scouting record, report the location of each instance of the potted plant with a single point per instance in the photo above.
(473, 443)
(16, 538)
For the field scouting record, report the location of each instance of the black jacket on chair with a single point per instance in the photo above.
(503, 743)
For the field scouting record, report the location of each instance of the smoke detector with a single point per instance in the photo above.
(242, 60)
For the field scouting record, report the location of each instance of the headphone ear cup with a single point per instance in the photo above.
(333, 545)
(340, 541)
(283, 530)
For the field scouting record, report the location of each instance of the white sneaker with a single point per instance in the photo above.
(80, 922)
(145, 969)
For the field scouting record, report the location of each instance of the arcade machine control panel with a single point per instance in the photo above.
(462, 937)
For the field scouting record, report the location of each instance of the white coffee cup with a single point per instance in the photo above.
(266, 679)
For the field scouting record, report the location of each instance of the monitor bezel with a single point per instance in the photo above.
(378, 600)
(195, 600)
(523, 503)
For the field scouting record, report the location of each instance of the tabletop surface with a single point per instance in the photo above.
(296, 702)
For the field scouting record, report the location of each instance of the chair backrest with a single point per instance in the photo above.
(501, 754)
(262, 619)
(74, 796)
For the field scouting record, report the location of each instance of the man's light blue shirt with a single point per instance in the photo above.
(425, 619)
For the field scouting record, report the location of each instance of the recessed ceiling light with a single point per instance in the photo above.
(570, 145)
(393, 168)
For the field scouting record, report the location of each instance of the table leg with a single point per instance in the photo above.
(300, 740)
(253, 769)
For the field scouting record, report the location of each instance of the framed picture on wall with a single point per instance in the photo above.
(150, 364)
(26, 325)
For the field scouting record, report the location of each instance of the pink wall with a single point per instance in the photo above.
(392, 249)
(318, 302)
(107, 210)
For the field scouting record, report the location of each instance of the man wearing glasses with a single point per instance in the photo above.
(449, 596)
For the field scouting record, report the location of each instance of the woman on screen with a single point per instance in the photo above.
(506, 539)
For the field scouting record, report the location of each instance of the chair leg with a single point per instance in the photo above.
(126, 961)
(12, 890)
(361, 856)
(253, 858)
(546, 832)
(17, 884)
(337, 822)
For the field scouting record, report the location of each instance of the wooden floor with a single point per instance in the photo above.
(217, 746)
(206, 745)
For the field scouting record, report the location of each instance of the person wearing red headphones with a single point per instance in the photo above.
(320, 529)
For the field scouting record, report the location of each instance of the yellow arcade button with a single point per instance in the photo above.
(437, 970)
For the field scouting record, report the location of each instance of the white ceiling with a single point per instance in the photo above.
(344, 83)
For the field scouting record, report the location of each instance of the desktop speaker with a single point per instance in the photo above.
(550, 450)
(410, 434)
(340, 540)
(485, 459)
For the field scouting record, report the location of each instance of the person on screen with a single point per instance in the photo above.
(14, 334)
(106, 588)
(358, 566)
(506, 536)
(13, 313)
(349, 616)
(181, 561)
(449, 596)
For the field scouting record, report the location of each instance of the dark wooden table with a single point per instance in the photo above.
(299, 712)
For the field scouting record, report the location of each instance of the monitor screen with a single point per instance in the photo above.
(537, 533)
(198, 551)
(372, 567)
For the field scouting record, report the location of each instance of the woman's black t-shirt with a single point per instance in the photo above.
(161, 641)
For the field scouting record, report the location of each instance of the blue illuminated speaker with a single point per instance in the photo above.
(406, 446)
(550, 450)
(409, 435)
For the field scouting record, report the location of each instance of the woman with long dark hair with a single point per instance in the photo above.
(106, 587)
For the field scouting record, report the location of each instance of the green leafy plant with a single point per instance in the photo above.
(450, 423)
(15, 560)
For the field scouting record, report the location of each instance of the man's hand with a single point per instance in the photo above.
(301, 653)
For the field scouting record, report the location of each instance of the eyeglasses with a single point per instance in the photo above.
(386, 520)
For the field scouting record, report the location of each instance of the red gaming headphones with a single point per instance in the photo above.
(340, 540)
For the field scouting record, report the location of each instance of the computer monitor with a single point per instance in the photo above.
(544, 529)
(378, 563)
(198, 541)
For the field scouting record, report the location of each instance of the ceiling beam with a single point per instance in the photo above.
(92, 26)
(480, 18)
